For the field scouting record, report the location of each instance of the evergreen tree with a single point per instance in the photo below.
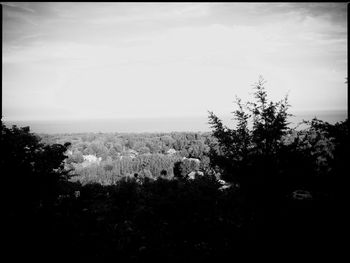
(246, 150)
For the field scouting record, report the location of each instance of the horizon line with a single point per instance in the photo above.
(154, 117)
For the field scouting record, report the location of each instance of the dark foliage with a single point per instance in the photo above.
(271, 161)
(286, 191)
(33, 177)
(239, 151)
(35, 168)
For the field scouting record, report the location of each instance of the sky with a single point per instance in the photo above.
(147, 60)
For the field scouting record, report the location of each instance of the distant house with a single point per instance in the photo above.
(132, 153)
(192, 175)
(226, 185)
(301, 195)
(192, 160)
(91, 159)
(129, 153)
(171, 151)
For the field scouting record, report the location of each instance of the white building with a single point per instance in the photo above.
(171, 151)
(90, 159)
(193, 174)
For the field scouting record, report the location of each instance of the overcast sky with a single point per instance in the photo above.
(134, 60)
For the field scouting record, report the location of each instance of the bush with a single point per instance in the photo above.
(33, 169)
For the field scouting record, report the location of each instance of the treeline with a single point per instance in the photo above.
(104, 145)
(110, 171)
(106, 158)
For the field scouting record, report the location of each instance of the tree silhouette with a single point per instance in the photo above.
(252, 147)
(32, 169)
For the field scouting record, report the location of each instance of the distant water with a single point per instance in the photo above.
(191, 124)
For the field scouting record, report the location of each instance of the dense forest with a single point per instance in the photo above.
(106, 158)
(178, 196)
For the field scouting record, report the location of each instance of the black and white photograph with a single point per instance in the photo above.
(174, 131)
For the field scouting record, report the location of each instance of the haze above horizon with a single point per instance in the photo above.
(163, 60)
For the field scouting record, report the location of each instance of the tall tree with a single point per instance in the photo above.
(238, 151)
